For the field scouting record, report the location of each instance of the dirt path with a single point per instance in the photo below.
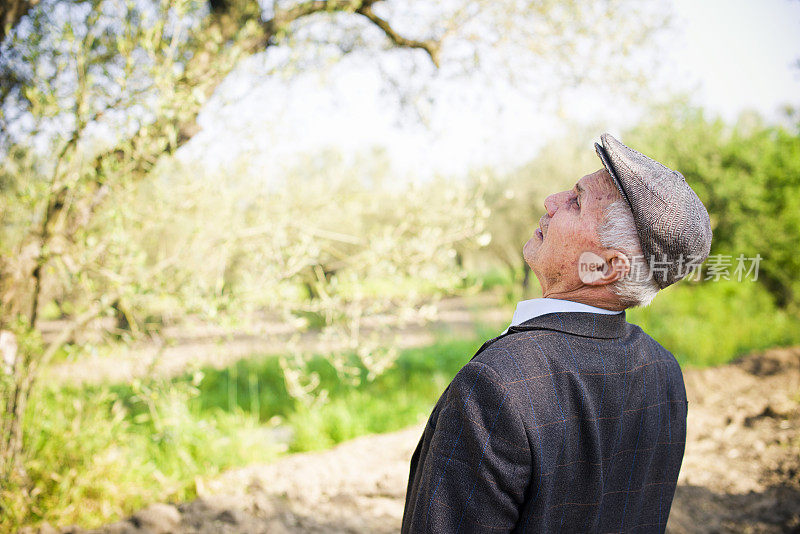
(741, 472)
(191, 346)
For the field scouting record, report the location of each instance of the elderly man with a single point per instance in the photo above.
(573, 420)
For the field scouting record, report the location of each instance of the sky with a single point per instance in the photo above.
(743, 54)
(726, 55)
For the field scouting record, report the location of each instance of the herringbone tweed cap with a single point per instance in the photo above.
(672, 222)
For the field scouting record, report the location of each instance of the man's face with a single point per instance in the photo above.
(567, 229)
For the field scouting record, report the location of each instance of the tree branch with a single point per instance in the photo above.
(429, 46)
(363, 8)
(11, 12)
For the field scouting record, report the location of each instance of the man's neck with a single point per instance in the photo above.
(592, 296)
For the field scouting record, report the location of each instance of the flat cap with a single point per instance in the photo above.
(672, 222)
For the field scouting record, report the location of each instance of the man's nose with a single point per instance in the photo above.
(553, 202)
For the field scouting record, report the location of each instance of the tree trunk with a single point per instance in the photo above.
(525, 277)
(228, 26)
(11, 12)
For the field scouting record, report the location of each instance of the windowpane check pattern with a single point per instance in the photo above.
(569, 422)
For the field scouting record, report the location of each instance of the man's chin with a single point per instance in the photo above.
(530, 249)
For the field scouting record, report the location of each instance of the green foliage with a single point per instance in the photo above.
(398, 397)
(401, 396)
(95, 455)
(506, 283)
(748, 176)
(712, 323)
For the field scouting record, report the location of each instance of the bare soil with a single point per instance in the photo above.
(741, 472)
(181, 348)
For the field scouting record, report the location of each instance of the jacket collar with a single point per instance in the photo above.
(590, 325)
(595, 325)
(528, 309)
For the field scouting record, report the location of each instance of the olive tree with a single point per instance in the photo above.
(96, 95)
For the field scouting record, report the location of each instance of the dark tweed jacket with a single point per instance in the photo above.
(570, 422)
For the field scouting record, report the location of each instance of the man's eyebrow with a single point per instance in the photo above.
(579, 189)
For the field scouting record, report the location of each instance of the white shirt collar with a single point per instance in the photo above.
(528, 309)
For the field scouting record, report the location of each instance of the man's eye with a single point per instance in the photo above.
(577, 202)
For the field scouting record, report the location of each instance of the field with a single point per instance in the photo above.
(112, 448)
(740, 471)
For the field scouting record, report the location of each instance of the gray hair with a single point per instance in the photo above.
(618, 231)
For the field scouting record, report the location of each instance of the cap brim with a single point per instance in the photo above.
(603, 155)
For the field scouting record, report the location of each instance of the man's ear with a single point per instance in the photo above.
(616, 266)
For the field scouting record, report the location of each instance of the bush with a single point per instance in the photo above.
(712, 323)
(94, 455)
(748, 176)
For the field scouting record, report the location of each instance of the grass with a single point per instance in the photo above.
(94, 455)
(98, 453)
(401, 396)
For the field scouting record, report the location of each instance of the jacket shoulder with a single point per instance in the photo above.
(509, 353)
(637, 335)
